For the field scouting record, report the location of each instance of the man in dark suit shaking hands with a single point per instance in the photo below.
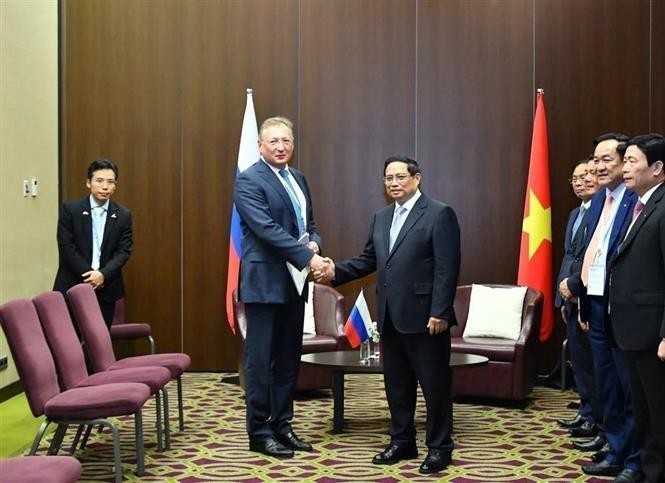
(95, 239)
(275, 208)
(637, 299)
(414, 245)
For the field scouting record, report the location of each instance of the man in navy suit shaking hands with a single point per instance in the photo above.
(414, 246)
(275, 208)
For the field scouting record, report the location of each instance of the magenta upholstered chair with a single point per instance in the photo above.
(70, 361)
(79, 406)
(98, 345)
(122, 330)
(40, 469)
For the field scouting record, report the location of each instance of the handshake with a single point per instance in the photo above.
(322, 269)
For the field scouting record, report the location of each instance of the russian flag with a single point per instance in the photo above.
(248, 154)
(358, 326)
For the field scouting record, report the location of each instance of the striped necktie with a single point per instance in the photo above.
(294, 200)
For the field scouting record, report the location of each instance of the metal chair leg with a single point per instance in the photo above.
(38, 437)
(167, 424)
(140, 455)
(181, 412)
(56, 442)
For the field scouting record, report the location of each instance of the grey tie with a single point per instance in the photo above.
(398, 221)
(294, 200)
(578, 221)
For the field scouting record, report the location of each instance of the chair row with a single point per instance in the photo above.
(51, 365)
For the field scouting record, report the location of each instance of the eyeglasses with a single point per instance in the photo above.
(273, 143)
(572, 179)
(400, 178)
(110, 182)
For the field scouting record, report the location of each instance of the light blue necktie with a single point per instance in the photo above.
(98, 213)
(578, 222)
(398, 221)
(294, 200)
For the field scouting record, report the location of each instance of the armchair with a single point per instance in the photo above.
(513, 365)
(329, 323)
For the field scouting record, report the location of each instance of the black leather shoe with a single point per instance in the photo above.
(394, 453)
(630, 476)
(270, 447)
(292, 441)
(436, 461)
(594, 444)
(571, 423)
(600, 455)
(602, 469)
(586, 430)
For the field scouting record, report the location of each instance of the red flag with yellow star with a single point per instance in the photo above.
(535, 268)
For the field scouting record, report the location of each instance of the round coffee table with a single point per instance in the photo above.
(348, 362)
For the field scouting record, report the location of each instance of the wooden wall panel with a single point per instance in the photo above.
(160, 88)
(228, 46)
(658, 67)
(475, 111)
(357, 95)
(120, 98)
(595, 75)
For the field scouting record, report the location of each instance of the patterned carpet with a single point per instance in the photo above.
(492, 443)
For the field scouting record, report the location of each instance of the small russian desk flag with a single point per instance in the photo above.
(359, 324)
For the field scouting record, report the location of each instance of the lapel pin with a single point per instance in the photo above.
(85, 213)
(113, 215)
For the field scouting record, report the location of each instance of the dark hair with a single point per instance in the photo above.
(616, 136)
(102, 163)
(622, 139)
(652, 145)
(411, 164)
(580, 162)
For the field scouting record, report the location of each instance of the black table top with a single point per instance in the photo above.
(349, 361)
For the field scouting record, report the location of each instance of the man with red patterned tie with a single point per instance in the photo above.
(637, 300)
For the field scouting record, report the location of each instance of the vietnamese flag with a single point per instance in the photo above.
(535, 267)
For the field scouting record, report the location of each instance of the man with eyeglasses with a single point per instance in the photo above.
(277, 220)
(95, 239)
(590, 412)
(414, 246)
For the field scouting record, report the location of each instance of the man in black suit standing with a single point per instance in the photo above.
(637, 299)
(95, 239)
(414, 245)
(590, 411)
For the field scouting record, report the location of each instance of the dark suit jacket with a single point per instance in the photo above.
(637, 280)
(418, 279)
(75, 247)
(572, 250)
(270, 235)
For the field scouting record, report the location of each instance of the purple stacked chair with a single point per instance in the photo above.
(122, 330)
(98, 345)
(70, 361)
(79, 406)
(40, 469)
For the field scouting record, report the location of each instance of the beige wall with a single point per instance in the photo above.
(28, 149)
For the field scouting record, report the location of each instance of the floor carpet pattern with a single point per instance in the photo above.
(492, 443)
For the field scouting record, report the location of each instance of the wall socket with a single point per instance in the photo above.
(3, 363)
